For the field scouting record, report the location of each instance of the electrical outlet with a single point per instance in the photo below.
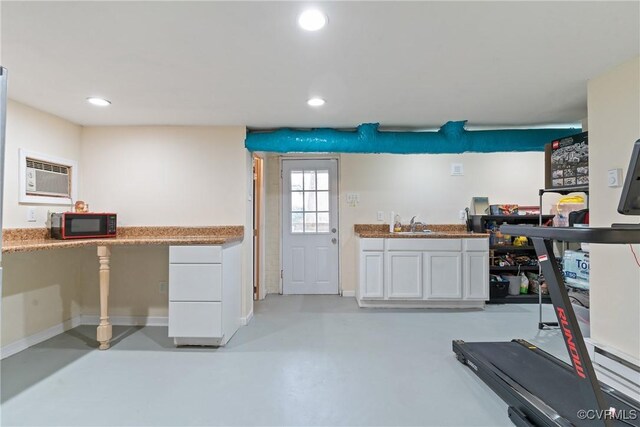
(162, 287)
(31, 214)
(462, 215)
(380, 216)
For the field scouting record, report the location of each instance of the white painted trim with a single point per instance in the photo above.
(244, 321)
(128, 320)
(613, 373)
(31, 340)
(348, 293)
(480, 305)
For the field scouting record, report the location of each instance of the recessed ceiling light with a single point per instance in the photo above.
(312, 20)
(315, 102)
(100, 102)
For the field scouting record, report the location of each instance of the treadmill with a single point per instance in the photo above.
(540, 389)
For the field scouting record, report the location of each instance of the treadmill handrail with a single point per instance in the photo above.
(575, 234)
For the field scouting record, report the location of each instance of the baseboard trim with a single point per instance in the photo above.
(349, 294)
(615, 369)
(244, 321)
(37, 338)
(127, 320)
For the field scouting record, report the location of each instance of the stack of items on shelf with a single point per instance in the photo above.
(567, 207)
(575, 268)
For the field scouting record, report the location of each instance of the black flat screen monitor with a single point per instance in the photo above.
(630, 198)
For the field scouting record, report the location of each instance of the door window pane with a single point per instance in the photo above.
(323, 200)
(310, 222)
(296, 201)
(309, 201)
(296, 180)
(323, 222)
(323, 180)
(296, 223)
(309, 180)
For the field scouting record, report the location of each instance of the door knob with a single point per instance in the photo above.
(333, 230)
(334, 240)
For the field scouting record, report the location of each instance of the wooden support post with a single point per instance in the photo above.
(104, 332)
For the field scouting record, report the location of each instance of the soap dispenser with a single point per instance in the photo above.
(397, 227)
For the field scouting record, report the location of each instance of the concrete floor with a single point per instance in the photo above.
(303, 360)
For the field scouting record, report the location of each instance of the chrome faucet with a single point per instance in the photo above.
(413, 223)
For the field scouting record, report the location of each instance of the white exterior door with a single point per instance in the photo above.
(310, 226)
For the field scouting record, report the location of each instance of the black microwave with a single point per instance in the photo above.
(85, 225)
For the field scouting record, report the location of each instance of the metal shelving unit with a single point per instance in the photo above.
(562, 191)
(478, 223)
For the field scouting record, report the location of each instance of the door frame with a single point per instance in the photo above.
(258, 224)
(281, 195)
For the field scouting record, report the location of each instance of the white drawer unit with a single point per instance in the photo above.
(195, 282)
(195, 319)
(204, 293)
(196, 254)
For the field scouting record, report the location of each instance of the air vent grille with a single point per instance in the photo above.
(35, 164)
(48, 179)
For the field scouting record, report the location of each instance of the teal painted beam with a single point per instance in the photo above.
(451, 138)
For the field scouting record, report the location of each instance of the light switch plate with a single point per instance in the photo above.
(353, 199)
(380, 216)
(31, 214)
(614, 177)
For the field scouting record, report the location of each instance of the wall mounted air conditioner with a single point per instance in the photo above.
(46, 179)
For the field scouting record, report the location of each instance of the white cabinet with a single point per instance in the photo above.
(371, 271)
(371, 274)
(423, 272)
(404, 274)
(476, 276)
(443, 275)
(204, 293)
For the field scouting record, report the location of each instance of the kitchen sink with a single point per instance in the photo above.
(415, 233)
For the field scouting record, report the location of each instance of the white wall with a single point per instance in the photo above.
(410, 185)
(38, 131)
(614, 125)
(40, 290)
(157, 175)
(166, 175)
(422, 185)
(272, 223)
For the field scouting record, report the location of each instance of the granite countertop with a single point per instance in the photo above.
(36, 239)
(438, 231)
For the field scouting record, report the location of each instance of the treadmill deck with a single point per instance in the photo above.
(543, 376)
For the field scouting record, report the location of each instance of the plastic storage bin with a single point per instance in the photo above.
(498, 288)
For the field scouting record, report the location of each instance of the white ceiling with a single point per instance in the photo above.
(403, 64)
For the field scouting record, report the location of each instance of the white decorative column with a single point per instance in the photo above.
(104, 333)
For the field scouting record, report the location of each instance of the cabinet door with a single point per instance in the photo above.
(476, 276)
(371, 275)
(443, 275)
(404, 276)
